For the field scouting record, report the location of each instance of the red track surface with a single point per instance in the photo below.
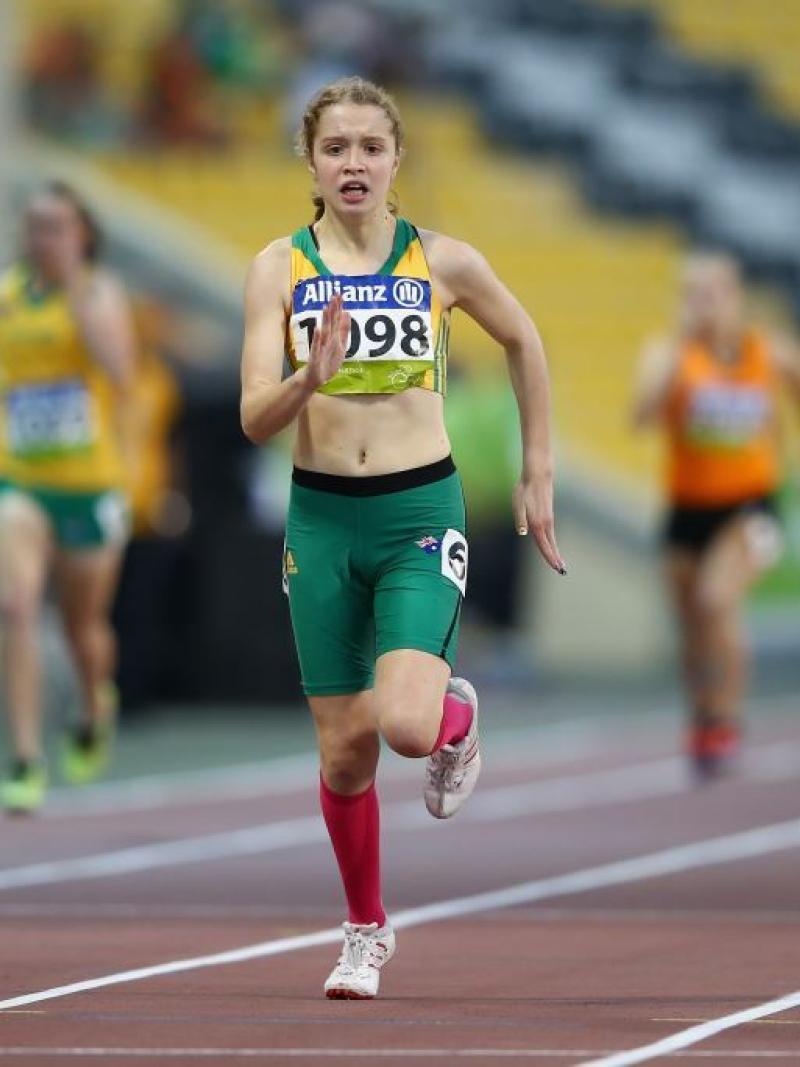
(558, 982)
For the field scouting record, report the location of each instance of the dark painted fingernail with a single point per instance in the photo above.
(562, 571)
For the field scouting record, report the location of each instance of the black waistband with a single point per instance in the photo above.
(375, 484)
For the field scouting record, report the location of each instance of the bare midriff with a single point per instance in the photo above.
(364, 435)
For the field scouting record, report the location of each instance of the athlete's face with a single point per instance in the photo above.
(711, 295)
(354, 158)
(53, 231)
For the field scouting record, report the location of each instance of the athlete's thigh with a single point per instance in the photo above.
(410, 686)
(86, 582)
(420, 560)
(329, 602)
(25, 549)
(334, 633)
(341, 719)
(417, 607)
(730, 565)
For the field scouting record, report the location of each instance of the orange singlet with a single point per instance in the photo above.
(722, 427)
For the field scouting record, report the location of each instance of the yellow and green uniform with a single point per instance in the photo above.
(58, 436)
(377, 563)
(399, 331)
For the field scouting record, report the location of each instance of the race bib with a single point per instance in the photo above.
(390, 316)
(50, 419)
(455, 559)
(726, 416)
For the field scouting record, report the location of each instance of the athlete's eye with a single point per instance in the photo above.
(334, 149)
(374, 149)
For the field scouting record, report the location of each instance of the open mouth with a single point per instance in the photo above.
(353, 191)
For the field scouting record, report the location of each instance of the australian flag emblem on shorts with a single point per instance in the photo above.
(429, 544)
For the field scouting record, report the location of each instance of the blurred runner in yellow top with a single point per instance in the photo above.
(66, 360)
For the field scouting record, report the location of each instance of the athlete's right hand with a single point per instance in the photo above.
(329, 344)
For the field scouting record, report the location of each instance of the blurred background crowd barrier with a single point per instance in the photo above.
(581, 145)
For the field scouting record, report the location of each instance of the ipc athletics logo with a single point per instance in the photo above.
(408, 293)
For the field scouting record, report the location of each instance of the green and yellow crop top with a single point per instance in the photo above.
(399, 332)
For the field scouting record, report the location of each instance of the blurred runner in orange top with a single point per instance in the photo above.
(713, 385)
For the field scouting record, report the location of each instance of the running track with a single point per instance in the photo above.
(589, 906)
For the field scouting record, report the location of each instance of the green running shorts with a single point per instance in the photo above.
(371, 565)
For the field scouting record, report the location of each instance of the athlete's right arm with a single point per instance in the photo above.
(269, 405)
(654, 379)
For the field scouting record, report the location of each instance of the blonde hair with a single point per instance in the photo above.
(345, 91)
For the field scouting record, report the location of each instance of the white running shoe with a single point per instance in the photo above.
(452, 772)
(357, 973)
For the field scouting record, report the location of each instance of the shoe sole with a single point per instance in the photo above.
(713, 768)
(347, 994)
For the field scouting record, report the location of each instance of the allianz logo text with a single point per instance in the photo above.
(365, 291)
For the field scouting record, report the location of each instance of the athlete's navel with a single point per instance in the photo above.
(362, 456)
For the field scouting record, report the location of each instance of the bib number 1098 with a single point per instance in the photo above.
(378, 335)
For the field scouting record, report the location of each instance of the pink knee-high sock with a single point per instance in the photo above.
(456, 721)
(354, 827)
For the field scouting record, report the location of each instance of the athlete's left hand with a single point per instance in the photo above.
(329, 345)
(533, 512)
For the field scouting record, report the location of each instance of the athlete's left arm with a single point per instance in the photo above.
(465, 280)
(100, 307)
(786, 354)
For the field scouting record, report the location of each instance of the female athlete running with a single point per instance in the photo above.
(376, 554)
(713, 386)
(66, 359)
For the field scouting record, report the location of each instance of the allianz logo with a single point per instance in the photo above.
(406, 292)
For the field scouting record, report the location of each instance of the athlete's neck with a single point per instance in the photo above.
(369, 238)
(725, 343)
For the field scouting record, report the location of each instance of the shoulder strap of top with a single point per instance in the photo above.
(404, 235)
(303, 240)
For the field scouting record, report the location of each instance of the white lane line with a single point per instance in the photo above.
(254, 840)
(363, 1053)
(550, 744)
(756, 1022)
(656, 778)
(694, 1034)
(762, 841)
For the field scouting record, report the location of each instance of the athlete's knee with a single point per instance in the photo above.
(349, 760)
(713, 603)
(410, 730)
(89, 634)
(19, 609)
(409, 742)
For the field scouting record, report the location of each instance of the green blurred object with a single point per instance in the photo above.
(86, 752)
(24, 791)
(781, 584)
(483, 424)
